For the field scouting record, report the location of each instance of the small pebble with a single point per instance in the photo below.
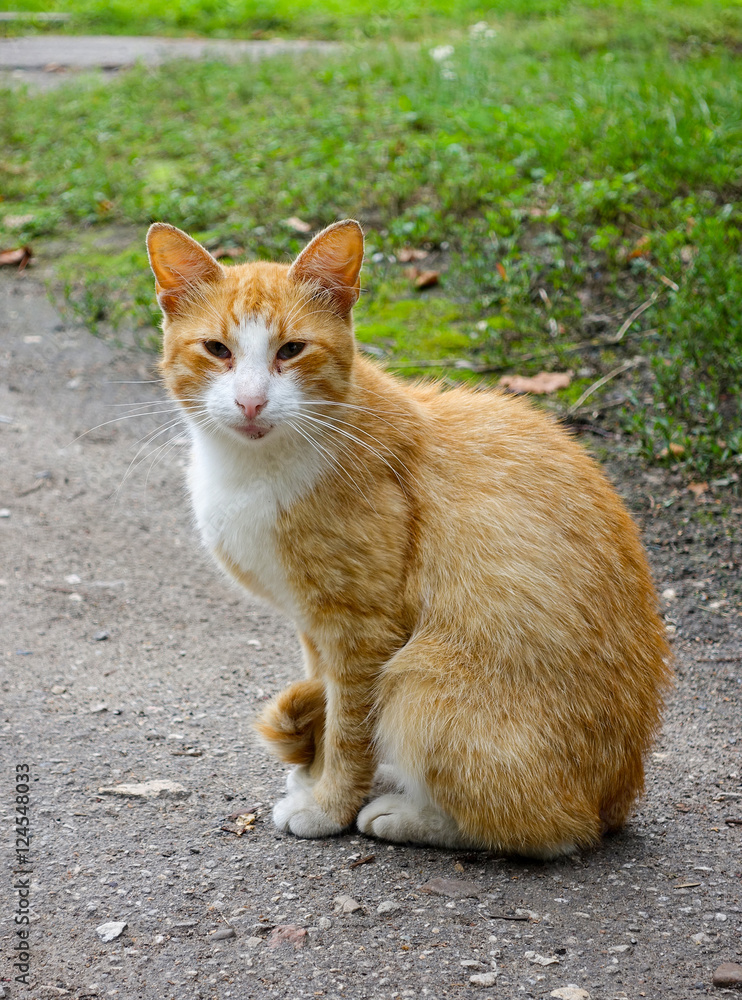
(619, 949)
(288, 934)
(324, 923)
(110, 931)
(257, 929)
(701, 938)
(101, 636)
(483, 979)
(58, 689)
(570, 992)
(223, 934)
(254, 942)
(346, 904)
(542, 960)
(4, 512)
(472, 963)
(147, 790)
(454, 888)
(388, 906)
(728, 974)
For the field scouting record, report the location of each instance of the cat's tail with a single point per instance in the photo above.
(292, 723)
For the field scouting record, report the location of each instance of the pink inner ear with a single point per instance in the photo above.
(333, 260)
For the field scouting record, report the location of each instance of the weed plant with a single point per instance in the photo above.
(560, 171)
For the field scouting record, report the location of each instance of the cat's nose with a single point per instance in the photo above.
(251, 405)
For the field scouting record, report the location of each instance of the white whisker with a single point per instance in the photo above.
(364, 444)
(333, 461)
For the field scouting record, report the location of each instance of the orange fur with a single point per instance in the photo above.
(475, 604)
(293, 722)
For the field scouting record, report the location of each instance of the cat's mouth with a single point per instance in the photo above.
(253, 431)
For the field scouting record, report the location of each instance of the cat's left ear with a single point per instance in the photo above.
(178, 263)
(333, 260)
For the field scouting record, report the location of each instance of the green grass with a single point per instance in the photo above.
(560, 173)
(341, 19)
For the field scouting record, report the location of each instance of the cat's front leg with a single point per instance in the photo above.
(324, 798)
(298, 812)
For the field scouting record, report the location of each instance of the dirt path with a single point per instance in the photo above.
(125, 658)
(46, 61)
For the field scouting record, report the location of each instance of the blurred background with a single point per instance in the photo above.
(547, 188)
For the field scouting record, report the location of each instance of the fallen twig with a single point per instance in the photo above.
(626, 366)
(363, 861)
(470, 366)
(634, 316)
(588, 424)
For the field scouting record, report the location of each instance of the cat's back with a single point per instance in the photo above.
(518, 524)
(484, 446)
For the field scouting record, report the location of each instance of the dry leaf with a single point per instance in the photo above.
(19, 256)
(640, 249)
(427, 279)
(500, 268)
(406, 254)
(674, 449)
(698, 489)
(539, 385)
(241, 823)
(298, 225)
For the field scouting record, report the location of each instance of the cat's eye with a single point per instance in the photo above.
(218, 349)
(290, 350)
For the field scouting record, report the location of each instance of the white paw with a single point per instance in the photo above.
(401, 819)
(299, 813)
(390, 817)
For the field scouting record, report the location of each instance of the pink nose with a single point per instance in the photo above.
(251, 405)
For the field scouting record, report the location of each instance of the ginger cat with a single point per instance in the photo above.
(475, 608)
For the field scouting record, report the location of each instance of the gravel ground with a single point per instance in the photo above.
(47, 61)
(127, 659)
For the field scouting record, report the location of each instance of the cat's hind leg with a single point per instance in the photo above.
(292, 723)
(406, 819)
(483, 765)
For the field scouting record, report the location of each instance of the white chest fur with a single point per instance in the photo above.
(238, 491)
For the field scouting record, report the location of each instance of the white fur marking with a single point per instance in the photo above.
(239, 486)
(299, 813)
(402, 819)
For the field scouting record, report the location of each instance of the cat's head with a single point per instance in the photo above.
(245, 347)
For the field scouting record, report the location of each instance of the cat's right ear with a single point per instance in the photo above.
(178, 263)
